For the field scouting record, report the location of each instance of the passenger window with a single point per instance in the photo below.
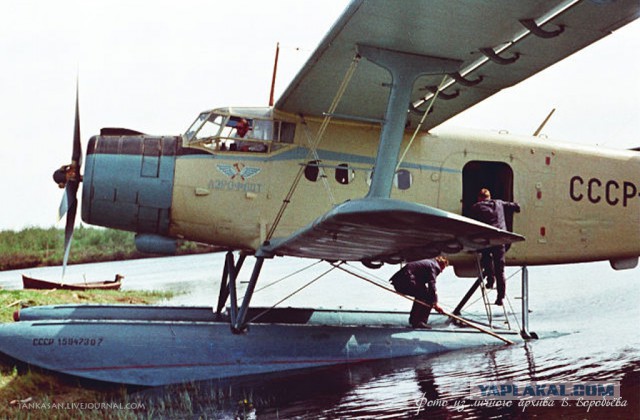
(403, 179)
(344, 175)
(312, 171)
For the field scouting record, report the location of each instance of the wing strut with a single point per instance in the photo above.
(424, 117)
(312, 150)
(405, 68)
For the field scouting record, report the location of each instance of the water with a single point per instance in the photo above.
(586, 314)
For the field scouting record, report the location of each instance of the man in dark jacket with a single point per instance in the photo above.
(492, 212)
(418, 279)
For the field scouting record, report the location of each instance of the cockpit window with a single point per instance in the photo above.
(219, 132)
(205, 126)
(193, 129)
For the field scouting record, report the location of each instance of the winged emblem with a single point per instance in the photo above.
(238, 170)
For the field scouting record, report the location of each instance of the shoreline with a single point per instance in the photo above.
(44, 247)
(26, 261)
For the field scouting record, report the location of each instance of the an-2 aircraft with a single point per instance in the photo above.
(347, 166)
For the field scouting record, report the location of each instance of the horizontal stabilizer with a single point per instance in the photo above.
(387, 230)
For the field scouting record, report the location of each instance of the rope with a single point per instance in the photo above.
(419, 126)
(336, 100)
(382, 287)
(293, 293)
(287, 276)
(513, 313)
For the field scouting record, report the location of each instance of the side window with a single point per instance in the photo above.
(287, 132)
(312, 171)
(263, 130)
(403, 179)
(344, 175)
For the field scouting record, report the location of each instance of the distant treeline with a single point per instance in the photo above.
(34, 247)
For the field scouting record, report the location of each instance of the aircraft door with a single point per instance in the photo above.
(497, 177)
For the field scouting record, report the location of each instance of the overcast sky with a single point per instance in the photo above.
(152, 66)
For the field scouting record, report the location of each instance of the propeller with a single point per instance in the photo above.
(69, 178)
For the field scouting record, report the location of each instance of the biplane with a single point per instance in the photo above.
(349, 165)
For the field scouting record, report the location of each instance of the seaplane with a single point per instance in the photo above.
(347, 166)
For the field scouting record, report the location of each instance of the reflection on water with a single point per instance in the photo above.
(419, 387)
(585, 314)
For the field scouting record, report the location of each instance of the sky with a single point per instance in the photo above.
(153, 66)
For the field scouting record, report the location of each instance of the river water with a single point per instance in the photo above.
(587, 317)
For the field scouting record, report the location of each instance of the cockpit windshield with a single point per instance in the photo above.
(218, 130)
(208, 124)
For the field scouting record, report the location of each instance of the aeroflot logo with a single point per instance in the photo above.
(595, 190)
(238, 171)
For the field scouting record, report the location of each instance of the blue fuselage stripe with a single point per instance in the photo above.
(301, 153)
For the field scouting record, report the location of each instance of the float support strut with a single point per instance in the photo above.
(466, 297)
(472, 290)
(229, 266)
(233, 274)
(525, 306)
(238, 321)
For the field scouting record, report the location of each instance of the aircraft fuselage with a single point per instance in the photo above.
(578, 203)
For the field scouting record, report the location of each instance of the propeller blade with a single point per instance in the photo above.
(69, 204)
(76, 155)
(64, 203)
(70, 194)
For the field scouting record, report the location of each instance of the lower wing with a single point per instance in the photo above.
(387, 230)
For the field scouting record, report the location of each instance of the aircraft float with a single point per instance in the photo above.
(347, 166)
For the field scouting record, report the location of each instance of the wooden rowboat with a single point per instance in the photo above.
(31, 283)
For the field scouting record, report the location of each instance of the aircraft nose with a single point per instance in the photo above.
(128, 181)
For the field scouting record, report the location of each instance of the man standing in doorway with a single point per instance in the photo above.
(492, 212)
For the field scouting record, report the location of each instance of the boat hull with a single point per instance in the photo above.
(155, 346)
(31, 283)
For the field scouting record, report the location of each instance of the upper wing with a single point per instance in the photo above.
(381, 229)
(535, 33)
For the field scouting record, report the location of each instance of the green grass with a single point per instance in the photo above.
(34, 246)
(11, 300)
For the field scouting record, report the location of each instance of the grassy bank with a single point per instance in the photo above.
(34, 247)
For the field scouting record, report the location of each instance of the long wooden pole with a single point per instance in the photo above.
(472, 325)
(457, 318)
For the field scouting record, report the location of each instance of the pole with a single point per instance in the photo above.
(273, 78)
(472, 325)
(457, 318)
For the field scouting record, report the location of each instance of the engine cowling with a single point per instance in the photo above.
(128, 181)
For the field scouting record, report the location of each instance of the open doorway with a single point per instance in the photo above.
(497, 177)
